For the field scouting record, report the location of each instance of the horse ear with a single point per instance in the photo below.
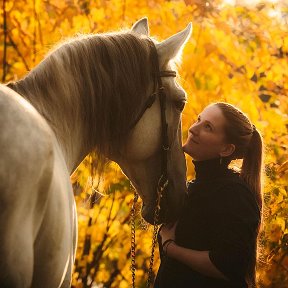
(141, 27)
(171, 47)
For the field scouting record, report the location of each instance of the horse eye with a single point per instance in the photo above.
(180, 105)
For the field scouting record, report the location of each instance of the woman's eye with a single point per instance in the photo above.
(207, 126)
(180, 105)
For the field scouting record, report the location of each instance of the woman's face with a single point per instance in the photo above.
(206, 137)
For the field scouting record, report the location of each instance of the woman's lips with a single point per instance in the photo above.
(191, 138)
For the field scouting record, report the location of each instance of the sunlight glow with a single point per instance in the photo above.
(229, 2)
(275, 13)
(249, 2)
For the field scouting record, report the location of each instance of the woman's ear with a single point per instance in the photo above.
(228, 149)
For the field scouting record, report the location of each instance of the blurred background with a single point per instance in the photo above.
(238, 53)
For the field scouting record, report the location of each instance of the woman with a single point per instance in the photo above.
(214, 242)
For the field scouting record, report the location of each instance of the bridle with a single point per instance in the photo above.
(159, 91)
(163, 180)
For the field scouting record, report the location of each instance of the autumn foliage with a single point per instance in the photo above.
(237, 54)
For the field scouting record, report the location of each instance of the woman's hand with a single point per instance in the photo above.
(167, 231)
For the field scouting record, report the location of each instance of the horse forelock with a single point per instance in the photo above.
(100, 81)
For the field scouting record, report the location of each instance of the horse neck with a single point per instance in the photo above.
(55, 104)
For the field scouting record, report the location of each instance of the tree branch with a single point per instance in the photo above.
(17, 51)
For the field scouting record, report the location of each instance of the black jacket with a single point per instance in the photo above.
(221, 216)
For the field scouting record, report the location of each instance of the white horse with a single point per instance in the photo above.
(84, 96)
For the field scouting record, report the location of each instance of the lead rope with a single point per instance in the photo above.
(133, 240)
(160, 189)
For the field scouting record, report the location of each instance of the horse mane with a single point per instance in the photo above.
(99, 80)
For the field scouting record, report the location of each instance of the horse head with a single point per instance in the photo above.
(141, 156)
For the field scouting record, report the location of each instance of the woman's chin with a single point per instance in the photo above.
(188, 151)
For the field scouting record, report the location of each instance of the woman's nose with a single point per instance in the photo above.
(194, 129)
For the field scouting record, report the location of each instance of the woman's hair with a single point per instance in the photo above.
(248, 146)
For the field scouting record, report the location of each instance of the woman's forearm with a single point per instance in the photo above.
(196, 260)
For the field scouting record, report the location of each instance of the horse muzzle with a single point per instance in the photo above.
(170, 207)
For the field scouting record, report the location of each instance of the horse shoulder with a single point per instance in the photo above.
(26, 166)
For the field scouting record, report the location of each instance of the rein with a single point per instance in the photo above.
(163, 180)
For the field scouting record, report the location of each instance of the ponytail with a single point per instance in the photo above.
(251, 171)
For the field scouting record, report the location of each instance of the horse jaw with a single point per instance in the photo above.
(144, 175)
(172, 199)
